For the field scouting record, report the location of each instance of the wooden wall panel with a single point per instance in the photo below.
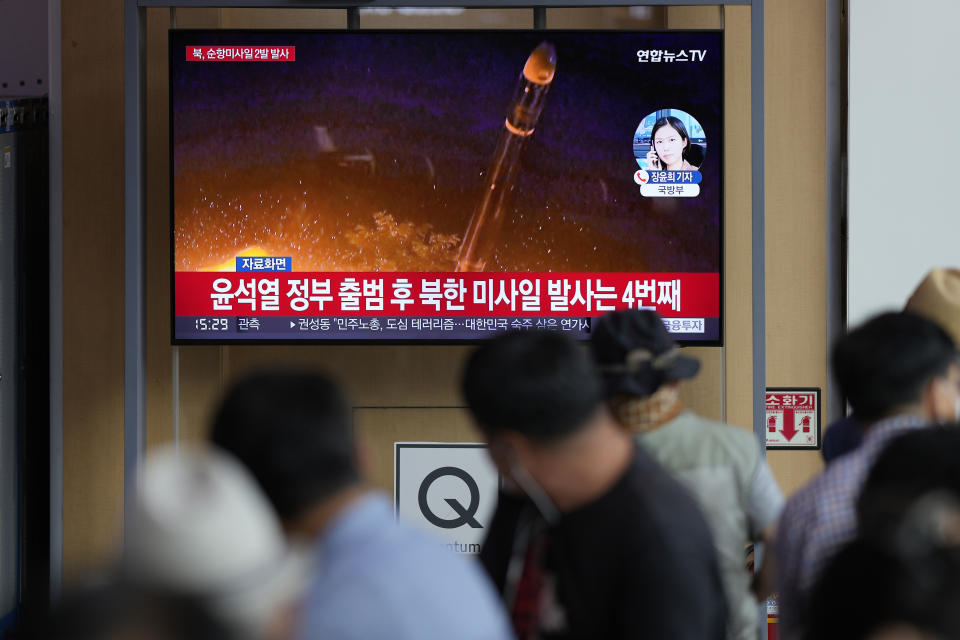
(796, 212)
(377, 429)
(454, 19)
(92, 47)
(606, 18)
(723, 390)
(201, 367)
(704, 393)
(738, 220)
(707, 17)
(392, 376)
(201, 382)
(159, 352)
(283, 19)
(202, 18)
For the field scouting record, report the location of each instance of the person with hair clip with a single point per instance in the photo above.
(722, 466)
(669, 146)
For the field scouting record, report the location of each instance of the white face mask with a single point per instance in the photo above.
(952, 386)
(522, 478)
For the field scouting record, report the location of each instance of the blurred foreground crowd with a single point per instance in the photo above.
(622, 514)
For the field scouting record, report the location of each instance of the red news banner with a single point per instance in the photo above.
(672, 295)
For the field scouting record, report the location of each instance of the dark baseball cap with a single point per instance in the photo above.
(636, 354)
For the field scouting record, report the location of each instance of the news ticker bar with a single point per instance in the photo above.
(253, 328)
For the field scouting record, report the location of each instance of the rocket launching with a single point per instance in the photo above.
(483, 231)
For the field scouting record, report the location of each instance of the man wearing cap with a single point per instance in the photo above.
(721, 465)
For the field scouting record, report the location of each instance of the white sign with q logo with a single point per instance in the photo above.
(448, 489)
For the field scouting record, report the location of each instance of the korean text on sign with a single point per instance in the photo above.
(240, 54)
(280, 292)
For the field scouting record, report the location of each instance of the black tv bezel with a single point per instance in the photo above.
(175, 341)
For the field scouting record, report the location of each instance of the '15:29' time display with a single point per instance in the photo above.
(211, 324)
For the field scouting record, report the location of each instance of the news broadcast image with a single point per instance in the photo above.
(441, 185)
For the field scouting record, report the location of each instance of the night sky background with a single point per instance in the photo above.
(415, 117)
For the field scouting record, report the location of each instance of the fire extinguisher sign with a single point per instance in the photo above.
(793, 418)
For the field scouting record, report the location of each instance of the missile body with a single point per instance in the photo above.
(479, 242)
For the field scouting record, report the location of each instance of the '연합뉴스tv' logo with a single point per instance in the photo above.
(668, 55)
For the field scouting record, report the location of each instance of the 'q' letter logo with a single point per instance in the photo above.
(465, 515)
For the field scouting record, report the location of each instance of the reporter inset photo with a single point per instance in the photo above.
(669, 140)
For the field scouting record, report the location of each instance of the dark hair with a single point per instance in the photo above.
(677, 124)
(867, 586)
(886, 362)
(293, 431)
(106, 611)
(540, 384)
(910, 467)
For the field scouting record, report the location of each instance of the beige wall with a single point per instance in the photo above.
(796, 219)
(390, 385)
(92, 294)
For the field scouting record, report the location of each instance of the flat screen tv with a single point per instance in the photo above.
(443, 186)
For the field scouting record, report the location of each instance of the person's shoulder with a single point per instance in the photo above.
(405, 570)
(384, 551)
(445, 576)
(408, 606)
(651, 494)
(841, 437)
(643, 473)
(841, 472)
(740, 443)
(800, 501)
(659, 518)
(803, 506)
(725, 432)
(722, 440)
(838, 485)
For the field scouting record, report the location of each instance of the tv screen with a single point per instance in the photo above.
(443, 185)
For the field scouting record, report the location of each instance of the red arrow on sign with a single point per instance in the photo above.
(789, 424)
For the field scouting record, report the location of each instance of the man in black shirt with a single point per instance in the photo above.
(591, 537)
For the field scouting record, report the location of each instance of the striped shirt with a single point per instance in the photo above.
(820, 518)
